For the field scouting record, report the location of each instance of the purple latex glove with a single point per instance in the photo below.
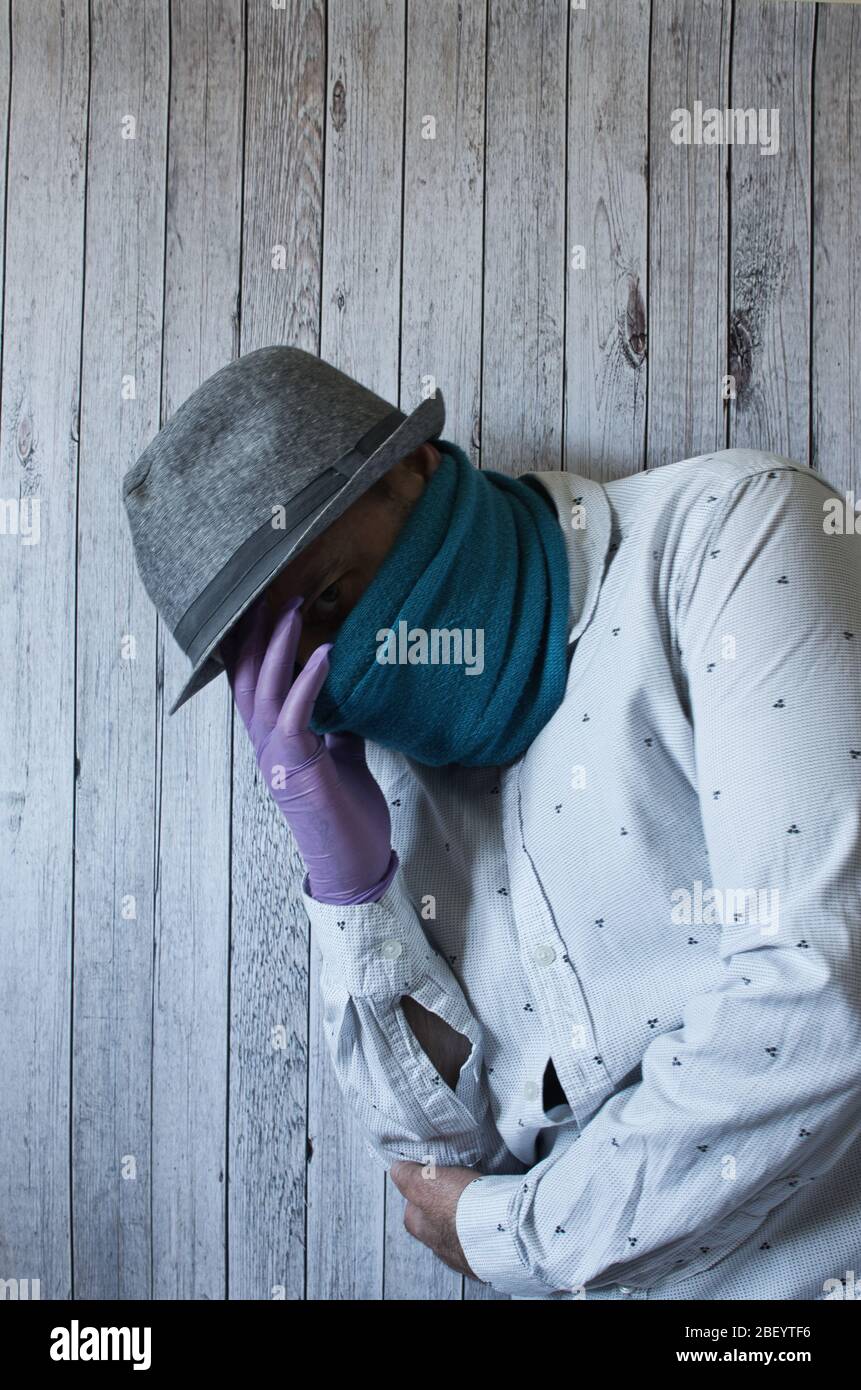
(322, 786)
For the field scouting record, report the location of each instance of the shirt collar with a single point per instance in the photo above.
(584, 514)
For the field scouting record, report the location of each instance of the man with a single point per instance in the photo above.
(587, 897)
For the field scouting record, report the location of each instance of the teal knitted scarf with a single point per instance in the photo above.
(457, 650)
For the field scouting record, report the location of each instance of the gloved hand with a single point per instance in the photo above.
(322, 786)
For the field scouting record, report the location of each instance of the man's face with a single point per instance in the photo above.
(337, 567)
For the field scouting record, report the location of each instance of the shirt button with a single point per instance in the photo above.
(391, 949)
(623, 1288)
(544, 954)
(530, 1090)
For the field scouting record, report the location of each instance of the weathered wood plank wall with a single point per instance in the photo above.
(481, 195)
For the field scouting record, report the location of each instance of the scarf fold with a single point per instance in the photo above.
(457, 650)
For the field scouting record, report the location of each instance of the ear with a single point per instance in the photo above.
(405, 481)
(424, 460)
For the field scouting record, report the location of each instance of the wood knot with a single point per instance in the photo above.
(339, 105)
(24, 438)
(740, 351)
(633, 331)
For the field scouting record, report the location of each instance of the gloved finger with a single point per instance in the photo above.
(242, 651)
(296, 711)
(346, 746)
(276, 672)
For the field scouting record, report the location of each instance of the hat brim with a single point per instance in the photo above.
(424, 424)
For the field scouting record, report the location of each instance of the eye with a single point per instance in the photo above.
(326, 604)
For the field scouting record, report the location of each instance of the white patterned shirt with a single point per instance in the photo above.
(660, 901)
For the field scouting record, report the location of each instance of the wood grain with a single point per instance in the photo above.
(606, 245)
(836, 313)
(115, 869)
(524, 236)
(688, 235)
(769, 347)
(39, 421)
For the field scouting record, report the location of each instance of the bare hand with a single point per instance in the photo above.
(429, 1215)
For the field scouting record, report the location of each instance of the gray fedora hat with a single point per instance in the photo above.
(260, 459)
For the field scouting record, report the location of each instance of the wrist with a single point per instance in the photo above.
(351, 896)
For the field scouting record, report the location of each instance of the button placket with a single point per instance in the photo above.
(582, 1072)
(544, 957)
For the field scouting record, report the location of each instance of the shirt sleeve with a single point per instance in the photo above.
(372, 954)
(757, 1092)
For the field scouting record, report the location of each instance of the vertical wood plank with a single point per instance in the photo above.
(5, 95)
(686, 414)
(607, 320)
(443, 212)
(769, 352)
(270, 978)
(39, 418)
(442, 280)
(194, 750)
(359, 334)
(524, 250)
(836, 318)
(115, 809)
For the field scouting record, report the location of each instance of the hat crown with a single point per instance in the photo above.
(248, 439)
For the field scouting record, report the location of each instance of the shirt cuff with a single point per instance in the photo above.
(486, 1224)
(375, 949)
